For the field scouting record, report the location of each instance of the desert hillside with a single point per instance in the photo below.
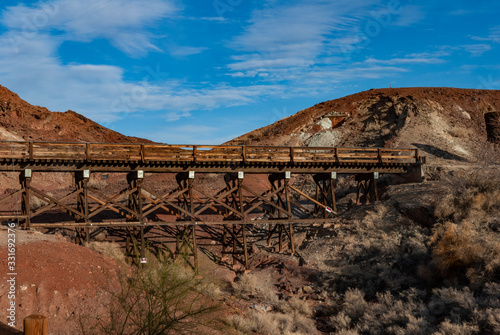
(445, 123)
(425, 259)
(21, 121)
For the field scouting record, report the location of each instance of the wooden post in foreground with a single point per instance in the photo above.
(36, 325)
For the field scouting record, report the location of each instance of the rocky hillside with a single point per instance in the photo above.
(21, 121)
(446, 123)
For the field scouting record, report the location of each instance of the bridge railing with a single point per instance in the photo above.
(199, 153)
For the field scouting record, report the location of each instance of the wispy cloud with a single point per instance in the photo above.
(409, 15)
(180, 101)
(405, 60)
(477, 49)
(189, 134)
(123, 22)
(183, 51)
(494, 36)
(283, 42)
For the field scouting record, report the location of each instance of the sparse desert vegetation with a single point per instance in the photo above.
(391, 275)
(160, 298)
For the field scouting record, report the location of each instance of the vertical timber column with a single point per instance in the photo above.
(289, 208)
(325, 193)
(25, 180)
(241, 208)
(81, 182)
(280, 187)
(234, 236)
(134, 180)
(367, 188)
(191, 176)
(186, 244)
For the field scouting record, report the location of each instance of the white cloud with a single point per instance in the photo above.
(179, 101)
(494, 36)
(477, 49)
(409, 15)
(183, 51)
(123, 22)
(406, 60)
(186, 134)
(291, 41)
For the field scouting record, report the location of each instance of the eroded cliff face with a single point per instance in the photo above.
(445, 123)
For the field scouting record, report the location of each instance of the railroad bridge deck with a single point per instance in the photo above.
(187, 206)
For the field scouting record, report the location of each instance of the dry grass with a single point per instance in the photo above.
(277, 324)
(286, 316)
(97, 184)
(160, 298)
(36, 203)
(467, 243)
(460, 132)
(108, 249)
(389, 275)
(257, 288)
(386, 274)
(473, 196)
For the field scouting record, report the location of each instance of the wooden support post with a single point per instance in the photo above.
(25, 180)
(280, 186)
(333, 177)
(134, 180)
(186, 235)
(244, 225)
(325, 193)
(81, 183)
(193, 227)
(36, 325)
(289, 208)
(367, 188)
(143, 242)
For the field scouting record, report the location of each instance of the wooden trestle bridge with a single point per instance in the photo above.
(144, 214)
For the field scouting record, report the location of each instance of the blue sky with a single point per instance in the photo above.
(204, 72)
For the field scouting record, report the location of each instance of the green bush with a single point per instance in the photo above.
(162, 298)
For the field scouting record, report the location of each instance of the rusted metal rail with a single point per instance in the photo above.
(187, 207)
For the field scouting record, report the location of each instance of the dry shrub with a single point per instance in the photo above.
(472, 196)
(456, 249)
(108, 249)
(295, 305)
(386, 315)
(448, 328)
(97, 184)
(466, 244)
(240, 323)
(376, 266)
(254, 286)
(448, 309)
(160, 298)
(36, 203)
(460, 132)
(280, 324)
(354, 303)
(290, 316)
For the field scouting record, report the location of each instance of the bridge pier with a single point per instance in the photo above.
(25, 180)
(367, 188)
(134, 180)
(280, 209)
(186, 246)
(234, 236)
(81, 183)
(325, 193)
